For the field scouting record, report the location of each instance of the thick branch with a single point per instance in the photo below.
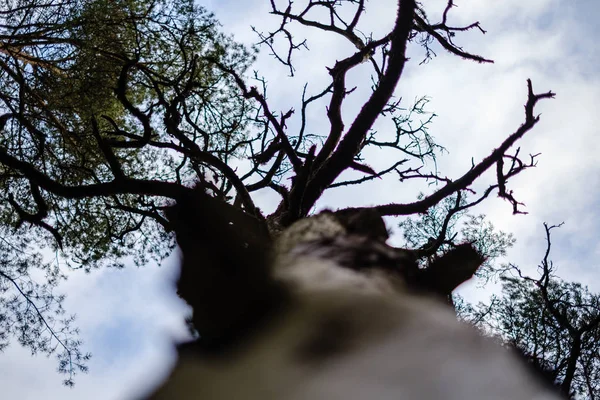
(205, 157)
(122, 186)
(38, 217)
(113, 162)
(468, 178)
(279, 127)
(452, 269)
(574, 353)
(446, 43)
(350, 144)
(334, 111)
(120, 92)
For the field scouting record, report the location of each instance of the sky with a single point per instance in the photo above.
(129, 318)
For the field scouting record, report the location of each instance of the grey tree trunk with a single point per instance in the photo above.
(334, 317)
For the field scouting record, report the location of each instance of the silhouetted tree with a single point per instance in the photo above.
(555, 324)
(114, 110)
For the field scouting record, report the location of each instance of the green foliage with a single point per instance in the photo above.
(86, 85)
(33, 312)
(120, 65)
(448, 223)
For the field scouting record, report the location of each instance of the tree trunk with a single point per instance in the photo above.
(332, 317)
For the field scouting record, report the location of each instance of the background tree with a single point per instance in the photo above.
(555, 324)
(170, 106)
(447, 224)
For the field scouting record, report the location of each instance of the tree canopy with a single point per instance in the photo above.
(91, 93)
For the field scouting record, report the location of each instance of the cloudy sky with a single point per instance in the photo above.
(128, 318)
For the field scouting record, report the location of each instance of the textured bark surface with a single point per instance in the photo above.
(335, 319)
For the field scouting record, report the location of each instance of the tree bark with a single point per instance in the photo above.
(340, 323)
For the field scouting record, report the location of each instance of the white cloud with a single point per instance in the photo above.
(127, 316)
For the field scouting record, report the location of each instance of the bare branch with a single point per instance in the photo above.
(476, 171)
(423, 26)
(350, 144)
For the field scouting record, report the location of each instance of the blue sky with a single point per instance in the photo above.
(128, 318)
